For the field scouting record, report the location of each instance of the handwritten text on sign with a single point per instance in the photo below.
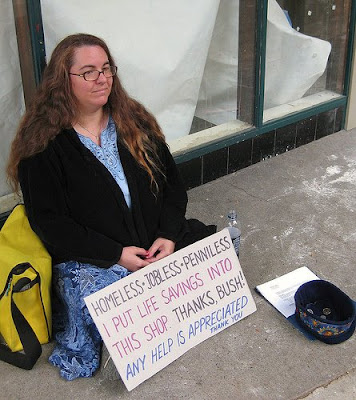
(153, 316)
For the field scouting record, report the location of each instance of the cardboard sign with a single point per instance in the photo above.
(153, 316)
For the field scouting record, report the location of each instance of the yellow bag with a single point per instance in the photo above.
(25, 291)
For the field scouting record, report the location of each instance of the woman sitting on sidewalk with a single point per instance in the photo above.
(100, 188)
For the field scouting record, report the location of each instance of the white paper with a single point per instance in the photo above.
(280, 291)
(160, 48)
(294, 61)
(217, 101)
(12, 104)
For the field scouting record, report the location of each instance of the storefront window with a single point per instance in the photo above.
(191, 64)
(306, 48)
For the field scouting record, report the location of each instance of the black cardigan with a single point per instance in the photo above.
(77, 209)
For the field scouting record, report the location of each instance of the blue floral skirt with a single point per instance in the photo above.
(77, 351)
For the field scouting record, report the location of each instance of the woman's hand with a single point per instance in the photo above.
(134, 258)
(163, 247)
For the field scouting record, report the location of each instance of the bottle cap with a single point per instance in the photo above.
(232, 214)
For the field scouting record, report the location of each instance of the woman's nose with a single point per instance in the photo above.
(101, 77)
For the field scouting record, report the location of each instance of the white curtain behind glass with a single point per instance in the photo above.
(294, 61)
(11, 93)
(160, 48)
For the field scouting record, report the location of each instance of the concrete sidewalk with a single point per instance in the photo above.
(297, 209)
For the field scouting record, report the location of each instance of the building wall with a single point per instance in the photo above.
(237, 156)
(350, 121)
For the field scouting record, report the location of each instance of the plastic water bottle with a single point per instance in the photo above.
(234, 227)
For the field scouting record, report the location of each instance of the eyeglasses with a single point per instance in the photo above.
(93, 75)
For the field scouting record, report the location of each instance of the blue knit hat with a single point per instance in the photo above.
(325, 311)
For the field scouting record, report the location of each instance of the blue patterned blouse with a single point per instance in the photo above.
(108, 155)
(78, 342)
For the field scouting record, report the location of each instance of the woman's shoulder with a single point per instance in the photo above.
(157, 142)
(55, 146)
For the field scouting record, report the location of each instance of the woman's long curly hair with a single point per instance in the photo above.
(55, 108)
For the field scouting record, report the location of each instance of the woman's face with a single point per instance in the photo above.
(91, 95)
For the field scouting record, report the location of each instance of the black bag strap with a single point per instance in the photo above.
(31, 346)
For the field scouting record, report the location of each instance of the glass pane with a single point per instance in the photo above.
(227, 68)
(11, 95)
(192, 64)
(226, 100)
(305, 54)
